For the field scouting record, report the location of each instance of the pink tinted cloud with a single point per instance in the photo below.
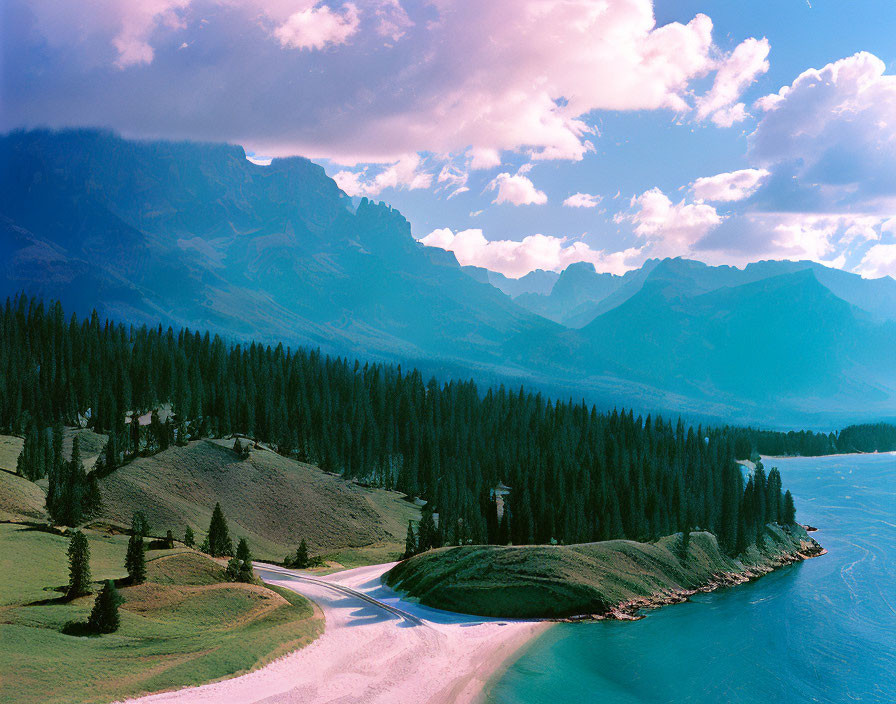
(516, 258)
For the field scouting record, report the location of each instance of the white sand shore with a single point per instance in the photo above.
(368, 654)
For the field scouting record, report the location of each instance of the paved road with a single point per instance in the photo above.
(274, 572)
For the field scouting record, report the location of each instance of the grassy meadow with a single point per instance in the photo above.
(183, 626)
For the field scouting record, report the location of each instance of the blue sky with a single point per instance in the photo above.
(629, 102)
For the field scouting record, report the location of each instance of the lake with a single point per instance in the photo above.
(823, 630)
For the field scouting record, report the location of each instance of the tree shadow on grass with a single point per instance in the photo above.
(79, 629)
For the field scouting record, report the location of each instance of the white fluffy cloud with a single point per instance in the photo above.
(516, 190)
(879, 260)
(582, 200)
(517, 258)
(735, 74)
(730, 186)
(833, 130)
(453, 77)
(406, 173)
(318, 26)
(671, 229)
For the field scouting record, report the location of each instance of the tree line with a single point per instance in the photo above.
(575, 474)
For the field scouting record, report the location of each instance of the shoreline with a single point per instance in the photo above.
(631, 610)
(498, 672)
(375, 648)
(821, 457)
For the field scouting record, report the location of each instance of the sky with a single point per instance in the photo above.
(520, 134)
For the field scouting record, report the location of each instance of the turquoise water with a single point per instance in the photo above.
(823, 630)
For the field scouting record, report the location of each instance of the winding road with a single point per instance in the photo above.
(375, 648)
(269, 573)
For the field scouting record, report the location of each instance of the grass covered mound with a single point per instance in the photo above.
(591, 579)
(183, 626)
(273, 501)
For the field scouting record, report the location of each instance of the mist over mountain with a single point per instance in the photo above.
(197, 235)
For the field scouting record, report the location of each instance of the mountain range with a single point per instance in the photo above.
(196, 235)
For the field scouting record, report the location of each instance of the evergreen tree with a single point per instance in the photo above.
(426, 532)
(139, 525)
(578, 474)
(219, 542)
(189, 538)
(78, 566)
(244, 557)
(104, 616)
(410, 543)
(789, 515)
(135, 560)
(302, 560)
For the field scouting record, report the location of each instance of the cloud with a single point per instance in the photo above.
(517, 258)
(517, 190)
(453, 180)
(833, 133)
(879, 260)
(831, 239)
(455, 76)
(317, 27)
(730, 186)
(582, 200)
(671, 229)
(403, 174)
(392, 20)
(734, 75)
(481, 159)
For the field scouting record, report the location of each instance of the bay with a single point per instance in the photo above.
(823, 630)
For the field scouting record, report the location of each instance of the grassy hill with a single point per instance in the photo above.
(182, 627)
(23, 501)
(272, 501)
(547, 581)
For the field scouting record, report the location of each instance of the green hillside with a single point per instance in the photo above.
(183, 626)
(272, 501)
(556, 581)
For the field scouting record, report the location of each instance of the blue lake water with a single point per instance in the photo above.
(823, 630)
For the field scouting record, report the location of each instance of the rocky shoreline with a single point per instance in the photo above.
(632, 610)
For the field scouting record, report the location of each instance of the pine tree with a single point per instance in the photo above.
(789, 516)
(245, 561)
(410, 543)
(135, 560)
(189, 538)
(302, 560)
(104, 616)
(219, 542)
(78, 566)
(139, 525)
(426, 532)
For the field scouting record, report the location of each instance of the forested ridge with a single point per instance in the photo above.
(575, 475)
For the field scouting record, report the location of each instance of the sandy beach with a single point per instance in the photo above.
(375, 648)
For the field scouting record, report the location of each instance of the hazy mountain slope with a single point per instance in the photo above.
(786, 339)
(197, 235)
(579, 286)
(538, 281)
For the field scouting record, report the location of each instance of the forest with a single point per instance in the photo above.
(575, 474)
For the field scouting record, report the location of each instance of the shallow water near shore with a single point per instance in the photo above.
(823, 630)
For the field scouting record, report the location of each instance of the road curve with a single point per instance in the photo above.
(375, 649)
(262, 568)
